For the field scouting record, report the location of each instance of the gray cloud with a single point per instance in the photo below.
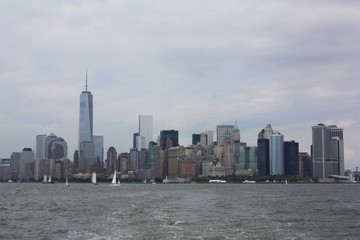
(192, 65)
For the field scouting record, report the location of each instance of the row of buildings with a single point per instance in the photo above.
(149, 159)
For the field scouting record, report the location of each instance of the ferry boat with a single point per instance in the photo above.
(249, 181)
(217, 181)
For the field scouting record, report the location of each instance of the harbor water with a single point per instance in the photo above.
(179, 211)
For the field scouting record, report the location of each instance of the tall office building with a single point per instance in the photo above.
(224, 132)
(266, 132)
(263, 143)
(99, 148)
(40, 147)
(337, 138)
(26, 164)
(324, 157)
(247, 159)
(195, 139)
(277, 154)
(86, 146)
(112, 162)
(146, 128)
(291, 158)
(169, 136)
(86, 116)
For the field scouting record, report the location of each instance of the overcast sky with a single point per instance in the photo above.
(191, 64)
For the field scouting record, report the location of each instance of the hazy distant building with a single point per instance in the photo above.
(26, 164)
(291, 158)
(174, 153)
(224, 132)
(5, 169)
(195, 139)
(86, 156)
(337, 138)
(169, 135)
(305, 165)
(154, 158)
(266, 132)
(263, 156)
(15, 165)
(247, 159)
(209, 137)
(57, 149)
(146, 128)
(277, 154)
(99, 148)
(112, 162)
(40, 146)
(135, 135)
(325, 161)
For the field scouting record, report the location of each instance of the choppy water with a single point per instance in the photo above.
(179, 211)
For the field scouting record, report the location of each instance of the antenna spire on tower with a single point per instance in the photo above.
(86, 82)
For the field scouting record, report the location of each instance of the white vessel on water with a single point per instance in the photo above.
(217, 181)
(67, 182)
(249, 181)
(45, 179)
(115, 183)
(93, 178)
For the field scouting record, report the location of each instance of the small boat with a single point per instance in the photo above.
(93, 179)
(165, 180)
(10, 181)
(217, 181)
(45, 179)
(50, 180)
(248, 181)
(67, 182)
(115, 183)
(286, 183)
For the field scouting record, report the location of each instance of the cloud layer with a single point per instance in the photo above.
(192, 65)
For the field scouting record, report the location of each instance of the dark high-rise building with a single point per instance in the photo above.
(305, 165)
(291, 158)
(263, 157)
(135, 136)
(167, 135)
(196, 138)
(325, 161)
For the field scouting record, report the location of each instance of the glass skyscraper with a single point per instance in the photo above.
(146, 128)
(86, 117)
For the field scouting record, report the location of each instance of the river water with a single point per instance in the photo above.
(179, 211)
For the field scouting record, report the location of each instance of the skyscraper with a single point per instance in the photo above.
(277, 154)
(324, 161)
(146, 128)
(86, 145)
(224, 132)
(99, 148)
(40, 147)
(86, 116)
(171, 135)
(291, 158)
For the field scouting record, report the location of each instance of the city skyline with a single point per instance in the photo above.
(238, 61)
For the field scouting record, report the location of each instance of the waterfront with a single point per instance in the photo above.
(179, 211)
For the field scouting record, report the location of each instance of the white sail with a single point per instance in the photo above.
(49, 181)
(93, 180)
(113, 182)
(45, 179)
(67, 182)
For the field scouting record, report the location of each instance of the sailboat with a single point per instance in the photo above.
(93, 179)
(50, 180)
(113, 182)
(45, 179)
(67, 182)
(286, 183)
